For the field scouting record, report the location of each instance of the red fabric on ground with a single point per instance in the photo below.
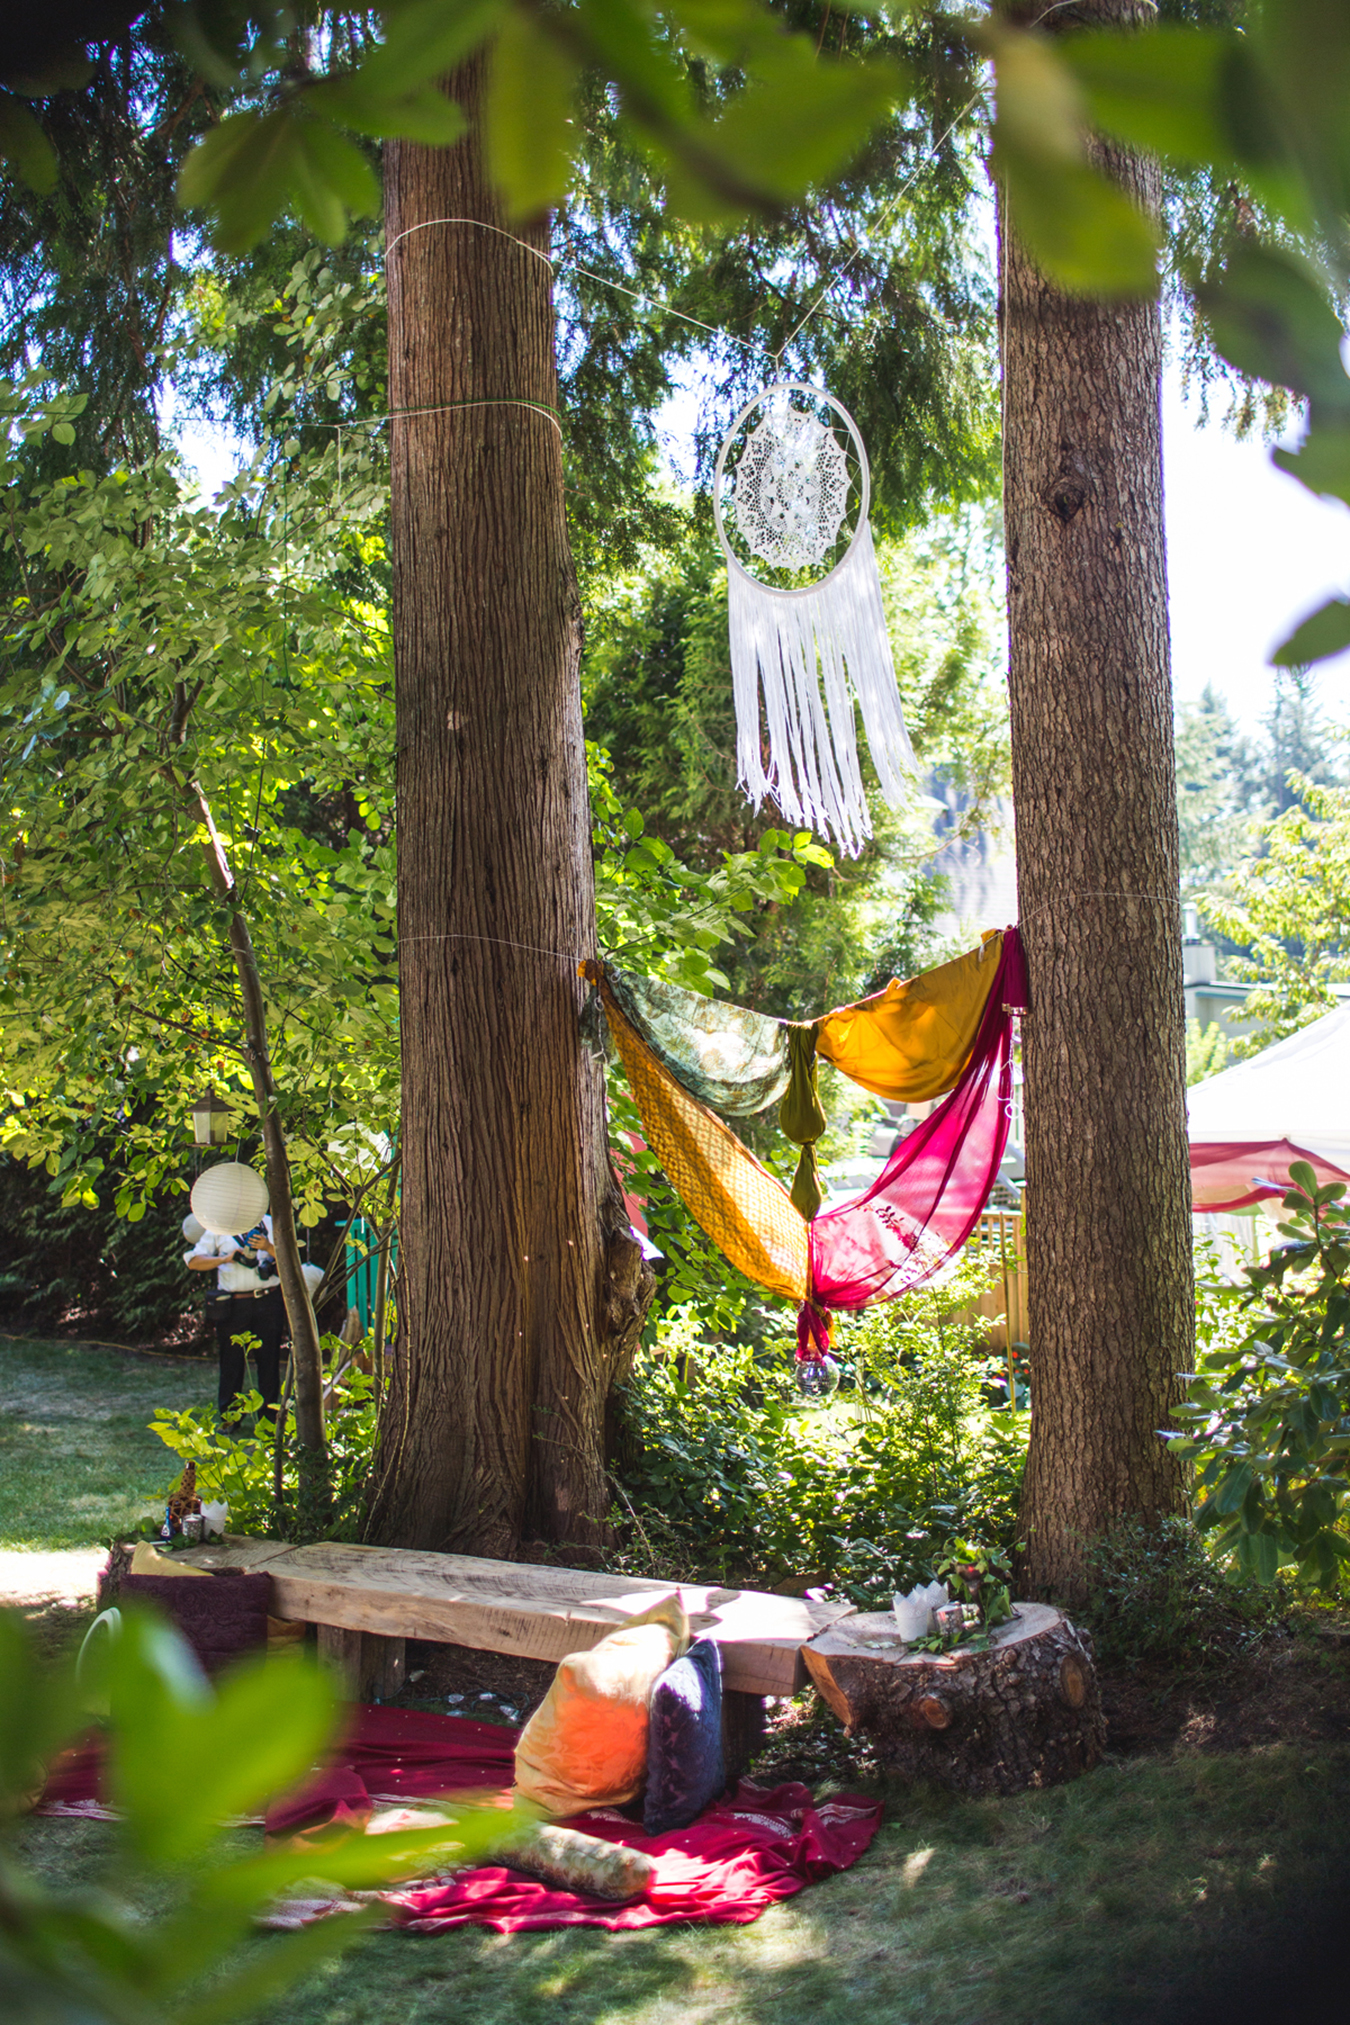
(741, 1856)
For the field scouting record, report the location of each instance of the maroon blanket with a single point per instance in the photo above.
(741, 1856)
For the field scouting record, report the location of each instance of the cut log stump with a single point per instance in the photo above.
(1025, 1712)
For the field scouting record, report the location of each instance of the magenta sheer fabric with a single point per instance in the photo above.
(928, 1198)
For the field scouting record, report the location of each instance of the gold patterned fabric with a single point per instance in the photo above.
(730, 1195)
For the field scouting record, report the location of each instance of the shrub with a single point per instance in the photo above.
(1157, 1594)
(1268, 1414)
(730, 1477)
(237, 1464)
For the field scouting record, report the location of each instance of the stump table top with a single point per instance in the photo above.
(871, 1634)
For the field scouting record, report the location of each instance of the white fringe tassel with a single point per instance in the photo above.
(794, 645)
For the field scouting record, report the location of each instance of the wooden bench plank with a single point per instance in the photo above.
(530, 1611)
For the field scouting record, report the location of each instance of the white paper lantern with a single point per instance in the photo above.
(229, 1199)
(192, 1230)
(313, 1278)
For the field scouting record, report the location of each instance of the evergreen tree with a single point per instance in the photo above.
(1219, 791)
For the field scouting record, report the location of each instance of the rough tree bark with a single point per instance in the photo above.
(520, 1287)
(1108, 1229)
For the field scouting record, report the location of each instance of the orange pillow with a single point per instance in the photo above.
(586, 1744)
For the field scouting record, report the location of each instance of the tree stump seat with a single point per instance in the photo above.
(1024, 1712)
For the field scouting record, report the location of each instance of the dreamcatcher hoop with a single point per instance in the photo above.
(808, 657)
(864, 482)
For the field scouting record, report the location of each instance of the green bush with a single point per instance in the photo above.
(731, 1478)
(184, 1754)
(1267, 1418)
(236, 1461)
(1158, 1595)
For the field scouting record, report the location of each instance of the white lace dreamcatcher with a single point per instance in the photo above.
(812, 648)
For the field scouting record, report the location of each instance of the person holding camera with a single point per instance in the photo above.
(247, 1302)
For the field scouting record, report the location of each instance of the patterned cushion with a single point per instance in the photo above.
(221, 1619)
(685, 1766)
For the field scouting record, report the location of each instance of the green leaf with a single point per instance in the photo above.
(39, 1712)
(1233, 1490)
(1082, 231)
(284, 1960)
(425, 39)
(1160, 88)
(1321, 462)
(1259, 1555)
(426, 115)
(330, 177)
(242, 172)
(23, 143)
(801, 119)
(1270, 315)
(199, 1757)
(1324, 632)
(529, 116)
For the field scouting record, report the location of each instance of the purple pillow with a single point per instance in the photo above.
(221, 1620)
(685, 1765)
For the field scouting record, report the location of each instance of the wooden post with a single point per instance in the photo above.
(742, 1730)
(373, 1668)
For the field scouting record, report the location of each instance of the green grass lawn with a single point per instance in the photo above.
(76, 1460)
(1155, 1890)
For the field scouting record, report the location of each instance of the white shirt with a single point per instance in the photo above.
(233, 1276)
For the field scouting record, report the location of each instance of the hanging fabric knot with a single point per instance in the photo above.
(813, 1333)
(801, 1118)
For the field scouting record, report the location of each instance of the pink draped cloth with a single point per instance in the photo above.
(929, 1196)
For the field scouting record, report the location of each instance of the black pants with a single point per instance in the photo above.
(263, 1316)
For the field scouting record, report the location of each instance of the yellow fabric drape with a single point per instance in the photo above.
(744, 1210)
(912, 1040)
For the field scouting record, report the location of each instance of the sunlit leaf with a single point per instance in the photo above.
(1081, 230)
(23, 143)
(39, 1712)
(330, 178)
(529, 116)
(424, 40)
(800, 119)
(1270, 316)
(1157, 88)
(207, 1755)
(1324, 632)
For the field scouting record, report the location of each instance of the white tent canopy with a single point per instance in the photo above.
(1298, 1091)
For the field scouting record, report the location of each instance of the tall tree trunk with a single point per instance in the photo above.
(520, 1287)
(1108, 1228)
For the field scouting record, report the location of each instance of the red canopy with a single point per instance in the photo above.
(1236, 1174)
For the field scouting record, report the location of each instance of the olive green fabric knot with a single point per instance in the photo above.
(800, 1116)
